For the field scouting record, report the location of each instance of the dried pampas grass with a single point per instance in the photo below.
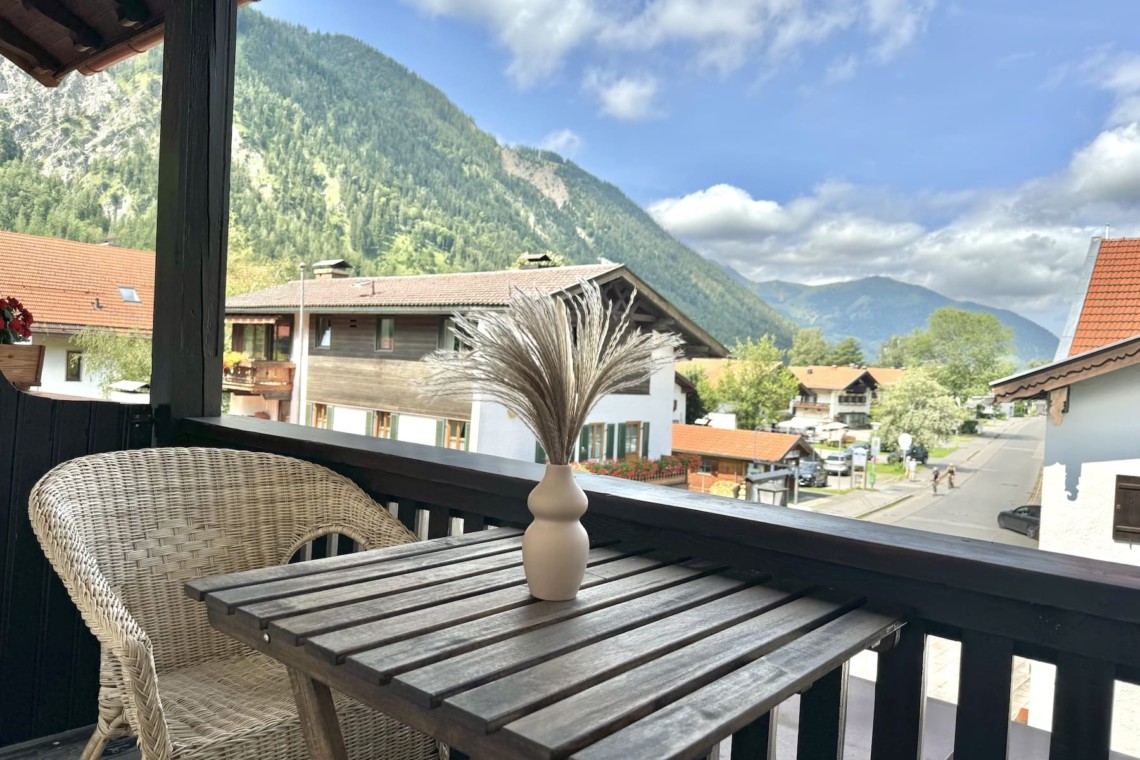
(550, 360)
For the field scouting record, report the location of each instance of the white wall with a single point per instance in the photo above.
(680, 400)
(346, 419)
(415, 429)
(496, 431)
(1095, 442)
(247, 406)
(55, 365)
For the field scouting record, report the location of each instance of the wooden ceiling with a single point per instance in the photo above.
(51, 38)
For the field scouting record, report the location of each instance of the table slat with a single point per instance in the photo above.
(430, 683)
(685, 727)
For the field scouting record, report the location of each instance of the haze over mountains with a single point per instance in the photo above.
(340, 152)
(872, 309)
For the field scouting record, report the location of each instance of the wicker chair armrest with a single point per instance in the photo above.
(107, 617)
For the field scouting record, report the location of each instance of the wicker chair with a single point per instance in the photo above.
(126, 530)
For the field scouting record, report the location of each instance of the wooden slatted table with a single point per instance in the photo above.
(657, 657)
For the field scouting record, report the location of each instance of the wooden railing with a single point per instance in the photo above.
(811, 406)
(999, 601)
(259, 376)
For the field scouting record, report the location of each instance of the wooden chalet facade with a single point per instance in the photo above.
(1081, 615)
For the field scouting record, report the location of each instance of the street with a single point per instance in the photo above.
(1000, 474)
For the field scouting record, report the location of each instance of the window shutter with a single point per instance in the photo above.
(539, 453)
(584, 444)
(609, 441)
(619, 447)
(645, 439)
(329, 417)
(394, 428)
(370, 423)
(439, 428)
(309, 414)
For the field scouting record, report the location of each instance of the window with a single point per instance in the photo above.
(455, 434)
(1126, 514)
(319, 416)
(596, 441)
(449, 339)
(382, 425)
(254, 342)
(73, 372)
(632, 438)
(324, 332)
(852, 399)
(706, 467)
(386, 333)
(283, 342)
(130, 295)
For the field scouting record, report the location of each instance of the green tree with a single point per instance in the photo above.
(809, 348)
(892, 352)
(700, 403)
(919, 405)
(110, 356)
(756, 384)
(845, 352)
(965, 349)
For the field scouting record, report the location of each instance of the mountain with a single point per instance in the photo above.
(874, 308)
(339, 152)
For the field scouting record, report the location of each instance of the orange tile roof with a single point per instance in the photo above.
(886, 375)
(1111, 310)
(827, 378)
(714, 369)
(735, 444)
(68, 285)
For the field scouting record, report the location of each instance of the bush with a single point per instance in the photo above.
(643, 469)
(969, 427)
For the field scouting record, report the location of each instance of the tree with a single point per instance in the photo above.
(109, 356)
(756, 384)
(846, 352)
(700, 403)
(919, 405)
(892, 352)
(808, 348)
(965, 349)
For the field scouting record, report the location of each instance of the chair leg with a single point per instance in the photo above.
(95, 746)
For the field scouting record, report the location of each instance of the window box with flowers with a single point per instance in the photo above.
(21, 362)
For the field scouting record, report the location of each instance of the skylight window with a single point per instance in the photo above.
(130, 295)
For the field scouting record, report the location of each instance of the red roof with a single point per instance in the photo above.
(735, 444)
(70, 285)
(1111, 309)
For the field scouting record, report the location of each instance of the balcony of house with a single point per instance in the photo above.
(810, 409)
(998, 602)
(262, 377)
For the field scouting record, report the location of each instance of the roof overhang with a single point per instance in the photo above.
(1040, 381)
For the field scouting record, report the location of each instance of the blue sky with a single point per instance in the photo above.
(973, 147)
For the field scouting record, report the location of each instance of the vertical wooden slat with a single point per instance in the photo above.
(438, 520)
(407, 513)
(823, 718)
(757, 740)
(193, 211)
(900, 698)
(981, 727)
(473, 523)
(1082, 709)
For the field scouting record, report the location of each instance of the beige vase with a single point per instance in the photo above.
(556, 545)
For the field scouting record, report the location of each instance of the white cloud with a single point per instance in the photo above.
(628, 98)
(842, 69)
(565, 142)
(725, 35)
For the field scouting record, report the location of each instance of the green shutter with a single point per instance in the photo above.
(439, 428)
(609, 441)
(619, 446)
(370, 423)
(645, 439)
(394, 428)
(329, 417)
(584, 444)
(309, 414)
(539, 453)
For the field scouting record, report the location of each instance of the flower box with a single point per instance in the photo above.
(22, 364)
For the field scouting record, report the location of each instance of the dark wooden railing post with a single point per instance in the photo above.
(1082, 709)
(193, 211)
(823, 718)
(757, 740)
(900, 697)
(981, 726)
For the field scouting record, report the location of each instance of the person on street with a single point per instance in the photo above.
(910, 467)
(951, 471)
(934, 481)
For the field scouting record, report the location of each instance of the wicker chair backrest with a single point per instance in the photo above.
(155, 518)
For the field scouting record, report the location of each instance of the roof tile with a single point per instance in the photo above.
(1111, 310)
(734, 444)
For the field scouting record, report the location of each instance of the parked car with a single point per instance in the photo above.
(813, 474)
(859, 445)
(1025, 519)
(916, 451)
(838, 464)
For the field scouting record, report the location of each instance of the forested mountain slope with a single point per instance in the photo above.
(339, 152)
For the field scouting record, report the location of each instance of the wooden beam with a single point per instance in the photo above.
(193, 211)
(83, 35)
(27, 48)
(132, 13)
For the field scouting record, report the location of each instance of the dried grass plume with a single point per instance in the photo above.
(550, 360)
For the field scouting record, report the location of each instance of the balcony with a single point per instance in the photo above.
(262, 377)
(811, 409)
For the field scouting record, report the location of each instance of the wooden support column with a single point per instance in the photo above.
(193, 211)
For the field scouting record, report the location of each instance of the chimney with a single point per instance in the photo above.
(330, 269)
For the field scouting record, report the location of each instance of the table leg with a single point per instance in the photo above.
(318, 718)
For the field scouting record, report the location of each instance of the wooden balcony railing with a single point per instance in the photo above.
(999, 601)
(260, 376)
(810, 407)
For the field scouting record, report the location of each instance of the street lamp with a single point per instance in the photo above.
(301, 352)
(876, 447)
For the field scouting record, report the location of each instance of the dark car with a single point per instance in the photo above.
(812, 474)
(916, 451)
(1026, 519)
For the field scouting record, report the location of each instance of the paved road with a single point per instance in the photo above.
(1000, 475)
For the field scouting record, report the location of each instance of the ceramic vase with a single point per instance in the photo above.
(556, 545)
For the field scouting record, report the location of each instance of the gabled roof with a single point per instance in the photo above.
(831, 378)
(68, 285)
(886, 375)
(1037, 382)
(461, 291)
(714, 369)
(1107, 308)
(736, 444)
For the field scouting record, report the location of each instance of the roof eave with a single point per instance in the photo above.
(1037, 382)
